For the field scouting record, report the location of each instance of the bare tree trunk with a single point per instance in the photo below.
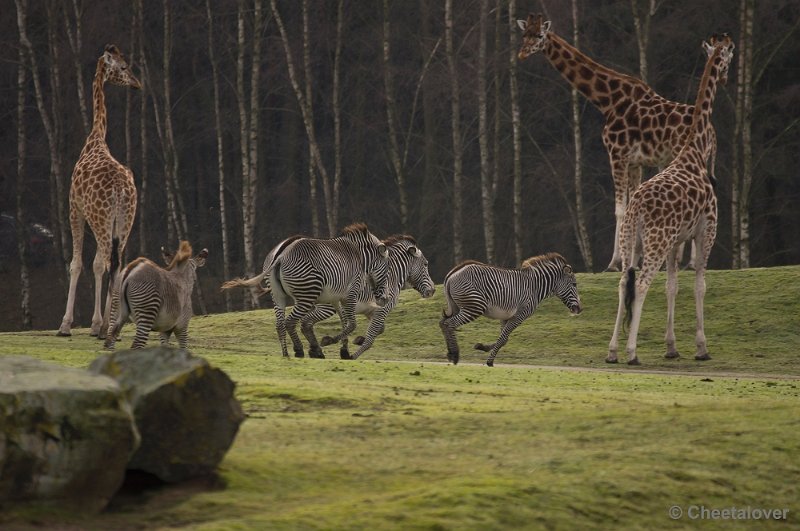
(487, 200)
(139, 23)
(736, 241)
(226, 268)
(391, 116)
(337, 112)
(582, 234)
(455, 104)
(498, 126)
(641, 21)
(746, 51)
(312, 174)
(252, 177)
(75, 37)
(22, 239)
(306, 112)
(244, 127)
(516, 130)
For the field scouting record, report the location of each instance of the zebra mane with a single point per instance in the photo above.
(535, 261)
(355, 229)
(461, 266)
(398, 238)
(183, 254)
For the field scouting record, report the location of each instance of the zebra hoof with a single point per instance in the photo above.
(345, 354)
(482, 347)
(634, 361)
(299, 354)
(359, 340)
(702, 357)
(452, 357)
(490, 363)
(327, 340)
(316, 353)
(611, 360)
(672, 355)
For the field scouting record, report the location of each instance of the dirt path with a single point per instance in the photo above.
(611, 370)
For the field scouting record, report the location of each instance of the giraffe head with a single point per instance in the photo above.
(725, 45)
(117, 71)
(535, 32)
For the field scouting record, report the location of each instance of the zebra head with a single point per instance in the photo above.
(375, 256)
(408, 267)
(183, 258)
(566, 287)
(418, 275)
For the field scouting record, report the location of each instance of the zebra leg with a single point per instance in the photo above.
(449, 325)
(375, 328)
(280, 326)
(505, 332)
(347, 315)
(144, 323)
(302, 307)
(488, 348)
(320, 313)
(183, 336)
(115, 327)
(164, 336)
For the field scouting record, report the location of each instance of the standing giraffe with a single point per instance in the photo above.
(677, 205)
(642, 128)
(102, 193)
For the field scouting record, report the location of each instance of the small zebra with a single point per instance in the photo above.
(408, 267)
(305, 272)
(154, 297)
(472, 289)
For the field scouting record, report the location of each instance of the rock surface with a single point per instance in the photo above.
(184, 409)
(66, 435)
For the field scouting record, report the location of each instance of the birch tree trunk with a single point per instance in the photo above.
(516, 127)
(582, 234)
(455, 105)
(391, 117)
(75, 38)
(139, 23)
(306, 112)
(487, 199)
(497, 60)
(22, 239)
(252, 176)
(312, 174)
(641, 21)
(337, 113)
(746, 53)
(736, 241)
(226, 268)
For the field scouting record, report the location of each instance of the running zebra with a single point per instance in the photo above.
(310, 271)
(408, 267)
(153, 297)
(473, 289)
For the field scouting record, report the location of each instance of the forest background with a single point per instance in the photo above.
(260, 119)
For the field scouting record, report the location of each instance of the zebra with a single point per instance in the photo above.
(154, 297)
(408, 267)
(472, 289)
(309, 271)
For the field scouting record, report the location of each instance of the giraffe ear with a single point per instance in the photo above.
(522, 24)
(545, 26)
(708, 48)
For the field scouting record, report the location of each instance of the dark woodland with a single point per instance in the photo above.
(361, 128)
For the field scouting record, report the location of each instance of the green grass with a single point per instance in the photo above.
(394, 441)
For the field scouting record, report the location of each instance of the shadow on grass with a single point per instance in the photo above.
(140, 488)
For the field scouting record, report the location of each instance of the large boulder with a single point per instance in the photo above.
(184, 408)
(66, 435)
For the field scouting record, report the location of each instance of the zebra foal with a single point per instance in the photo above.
(472, 289)
(155, 298)
(408, 267)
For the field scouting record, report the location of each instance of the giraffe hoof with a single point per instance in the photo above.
(359, 340)
(611, 269)
(672, 355)
(702, 357)
(634, 361)
(64, 334)
(611, 360)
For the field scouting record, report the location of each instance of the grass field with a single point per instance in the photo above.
(400, 440)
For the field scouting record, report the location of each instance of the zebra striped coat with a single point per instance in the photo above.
(407, 267)
(155, 298)
(304, 272)
(473, 289)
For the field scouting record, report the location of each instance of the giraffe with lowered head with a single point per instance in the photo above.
(642, 128)
(102, 194)
(676, 205)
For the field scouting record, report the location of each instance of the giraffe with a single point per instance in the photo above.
(676, 205)
(641, 129)
(102, 193)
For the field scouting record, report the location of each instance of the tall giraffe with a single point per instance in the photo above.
(677, 205)
(102, 193)
(642, 128)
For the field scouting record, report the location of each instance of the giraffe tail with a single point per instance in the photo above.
(630, 296)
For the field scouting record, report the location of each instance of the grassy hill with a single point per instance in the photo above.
(395, 441)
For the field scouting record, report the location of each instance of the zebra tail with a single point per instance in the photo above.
(630, 296)
(246, 282)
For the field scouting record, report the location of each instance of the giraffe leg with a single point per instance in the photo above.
(99, 268)
(672, 291)
(704, 243)
(619, 172)
(649, 268)
(77, 225)
(613, 345)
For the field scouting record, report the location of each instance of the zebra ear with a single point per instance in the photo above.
(414, 251)
(200, 261)
(383, 251)
(567, 269)
(166, 256)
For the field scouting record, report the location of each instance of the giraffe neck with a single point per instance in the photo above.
(701, 118)
(99, 124)
(600, 85)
